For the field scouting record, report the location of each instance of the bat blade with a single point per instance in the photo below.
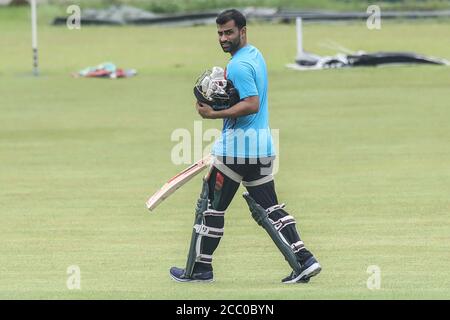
(177, 182)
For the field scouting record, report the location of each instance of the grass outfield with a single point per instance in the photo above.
(364, 165)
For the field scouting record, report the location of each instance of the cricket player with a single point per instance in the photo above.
(243, 154)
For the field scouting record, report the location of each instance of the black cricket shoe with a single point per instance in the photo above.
(309, 269)
(178, 274)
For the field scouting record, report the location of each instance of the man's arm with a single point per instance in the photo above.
(245, 107)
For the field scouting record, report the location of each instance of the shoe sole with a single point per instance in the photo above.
(311, 271)
(190, 280)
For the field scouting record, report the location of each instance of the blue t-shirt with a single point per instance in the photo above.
(248, 136)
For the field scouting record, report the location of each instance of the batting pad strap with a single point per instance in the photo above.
(204, 258)
(258, 182)
(297, 246)
(275, 207)
(215, 213)
(283, 222)
(227, 171)
(211, 232)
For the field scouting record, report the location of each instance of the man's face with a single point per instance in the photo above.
(229, 36)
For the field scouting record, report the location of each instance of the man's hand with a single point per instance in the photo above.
(249, 105)
(204, 110)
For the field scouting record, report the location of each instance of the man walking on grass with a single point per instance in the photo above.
(243, 154)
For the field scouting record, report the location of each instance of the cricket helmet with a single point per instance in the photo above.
(213, 89)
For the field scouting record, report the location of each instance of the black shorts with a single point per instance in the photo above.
(255, 174)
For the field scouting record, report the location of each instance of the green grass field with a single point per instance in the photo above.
(364, 165)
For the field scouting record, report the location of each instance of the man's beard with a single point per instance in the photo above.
(232, 47)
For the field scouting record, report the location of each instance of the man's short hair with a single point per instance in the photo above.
(232, 14)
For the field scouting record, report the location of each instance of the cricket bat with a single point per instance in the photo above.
(178, 181)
